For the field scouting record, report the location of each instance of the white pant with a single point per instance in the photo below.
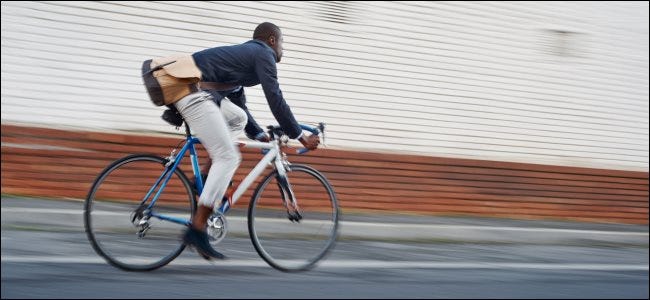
(235, 117)
(211, 126)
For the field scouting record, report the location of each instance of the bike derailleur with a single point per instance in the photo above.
(140, 219)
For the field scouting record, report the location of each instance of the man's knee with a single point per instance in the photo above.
(238, 122)
(235, 117)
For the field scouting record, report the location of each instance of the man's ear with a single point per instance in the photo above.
(272, 40)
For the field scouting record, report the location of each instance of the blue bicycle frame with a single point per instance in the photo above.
(270, 151)
(170, 167)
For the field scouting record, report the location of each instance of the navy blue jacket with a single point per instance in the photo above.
(248, 64)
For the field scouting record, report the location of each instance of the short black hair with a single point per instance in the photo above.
(266, 29)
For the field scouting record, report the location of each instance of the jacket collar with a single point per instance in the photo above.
(275, 55)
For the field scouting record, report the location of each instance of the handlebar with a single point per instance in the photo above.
(274, 130)
(313, 130)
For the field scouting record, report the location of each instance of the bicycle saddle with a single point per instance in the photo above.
(172, 117)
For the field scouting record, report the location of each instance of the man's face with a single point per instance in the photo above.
(275, 42)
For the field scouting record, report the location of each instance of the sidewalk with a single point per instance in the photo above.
(50, 214)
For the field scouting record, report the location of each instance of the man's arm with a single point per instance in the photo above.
(268, 76)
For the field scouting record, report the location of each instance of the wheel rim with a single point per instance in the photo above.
(291, 246)
(109, 206)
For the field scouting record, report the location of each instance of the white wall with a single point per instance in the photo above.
(548, 82)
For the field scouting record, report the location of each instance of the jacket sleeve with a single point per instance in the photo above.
(238, 97)
(267, 74)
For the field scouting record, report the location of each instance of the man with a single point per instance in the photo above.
(226, 68)
(234, 101)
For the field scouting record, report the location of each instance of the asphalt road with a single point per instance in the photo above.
(47, 255)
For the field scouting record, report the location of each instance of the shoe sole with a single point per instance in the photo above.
(203, 253)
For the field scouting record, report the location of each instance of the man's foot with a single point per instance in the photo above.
(199, 240)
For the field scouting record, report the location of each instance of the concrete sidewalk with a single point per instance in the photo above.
(51, 214)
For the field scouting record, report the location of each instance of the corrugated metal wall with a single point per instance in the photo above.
(563, 83)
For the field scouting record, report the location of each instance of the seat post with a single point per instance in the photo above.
(187, 130)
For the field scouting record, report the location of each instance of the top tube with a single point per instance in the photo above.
(276, 129)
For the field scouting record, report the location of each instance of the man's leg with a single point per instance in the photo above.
(236, 119)
(208, 125)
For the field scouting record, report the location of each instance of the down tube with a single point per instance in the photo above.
(250, 178)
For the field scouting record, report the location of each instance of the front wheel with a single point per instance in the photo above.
(293, 237)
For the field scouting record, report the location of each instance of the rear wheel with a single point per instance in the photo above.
(113, 214)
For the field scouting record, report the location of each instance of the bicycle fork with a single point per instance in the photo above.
(293, 211)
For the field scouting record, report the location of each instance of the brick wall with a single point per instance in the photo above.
(62, 163)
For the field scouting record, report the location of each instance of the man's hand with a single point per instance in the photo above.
(310, 142)
(263, 137)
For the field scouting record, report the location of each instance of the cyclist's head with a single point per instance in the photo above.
(272, 36)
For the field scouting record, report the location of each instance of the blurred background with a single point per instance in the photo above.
(492, 149)
(523, 109)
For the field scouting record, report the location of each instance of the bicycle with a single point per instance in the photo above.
(134, 226)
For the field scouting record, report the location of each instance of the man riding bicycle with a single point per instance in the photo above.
(223, 71)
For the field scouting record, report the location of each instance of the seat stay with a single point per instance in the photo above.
(172, 163)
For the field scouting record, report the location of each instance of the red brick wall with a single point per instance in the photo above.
(60, 163)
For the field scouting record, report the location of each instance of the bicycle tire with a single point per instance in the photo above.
(114, 190)
(271, 237)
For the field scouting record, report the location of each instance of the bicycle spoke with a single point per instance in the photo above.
(284, 240)
(118, 222)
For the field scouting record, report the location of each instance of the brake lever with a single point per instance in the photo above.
(321, 127)
(320, 131)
